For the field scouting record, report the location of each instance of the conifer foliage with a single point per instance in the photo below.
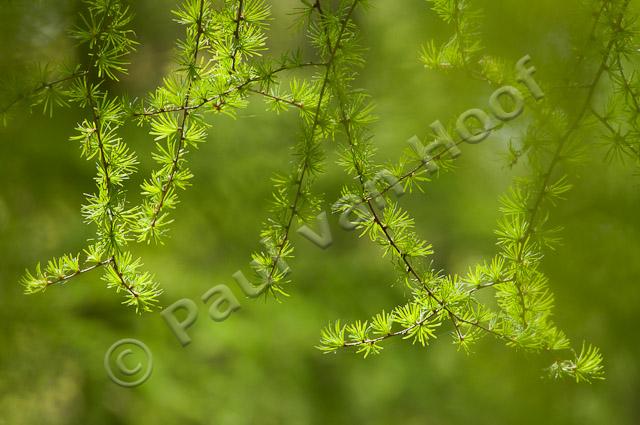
(221, 64)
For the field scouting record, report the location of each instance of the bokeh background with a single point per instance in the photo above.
(260, 366)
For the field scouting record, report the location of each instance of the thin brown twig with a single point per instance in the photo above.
(316, 120)
(181, 129)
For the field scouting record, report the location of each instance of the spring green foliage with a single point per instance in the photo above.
(464, 45)
(219, 67)
(105, 31)
(523, 317)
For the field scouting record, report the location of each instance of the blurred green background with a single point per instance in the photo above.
(260, 366)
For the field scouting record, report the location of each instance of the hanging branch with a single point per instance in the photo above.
(315, 129)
